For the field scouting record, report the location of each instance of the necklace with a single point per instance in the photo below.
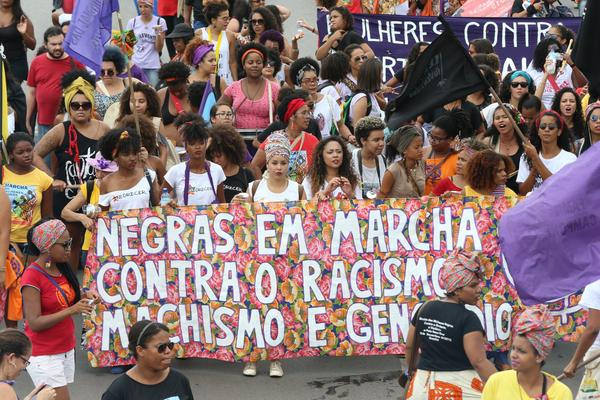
(505, 148)
(253, 97)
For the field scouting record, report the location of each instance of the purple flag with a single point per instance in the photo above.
(551, 240)
(90, 29)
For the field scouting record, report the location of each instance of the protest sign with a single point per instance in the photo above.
(392, 36)
(283, 280)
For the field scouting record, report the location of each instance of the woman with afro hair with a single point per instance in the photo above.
(486, 174)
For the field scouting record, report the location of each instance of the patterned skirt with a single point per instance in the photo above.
(442, 385)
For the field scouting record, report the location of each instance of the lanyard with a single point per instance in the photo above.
(360, 169)
(218, 49)
(186, 185)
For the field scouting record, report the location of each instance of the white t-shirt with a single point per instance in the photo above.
(332, 91)
(563, 79)
(370, 180)
(337, 193)
(553, 164)
(137, 196)
(263, 194)
(326, 113)
(343, 89)
(375, 109)
(144, 52)
(591, 299)
(201, 192)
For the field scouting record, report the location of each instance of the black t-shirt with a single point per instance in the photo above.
(198, 10)
(175, 387)
(517, 7)
(237, 183)
(468, 107)
(313, 129)
(349, 38)
(441, 328)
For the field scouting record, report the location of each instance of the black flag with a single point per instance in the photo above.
(443, 73)
(586, 52)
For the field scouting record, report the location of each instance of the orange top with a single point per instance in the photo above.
(437, 169)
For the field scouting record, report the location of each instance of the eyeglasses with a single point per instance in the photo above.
(66, 245)
(25, 361)
(549, 126)
(161, 348)
(310, 80)
(435, 139)
(85, 106)
(107, 72)
(227, 114)
(258, 21)
(595, 118)
(360, 58)
(517, 84)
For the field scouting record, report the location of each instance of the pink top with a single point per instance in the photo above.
(251, 114)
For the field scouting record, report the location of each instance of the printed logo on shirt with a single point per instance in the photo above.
(23, 200)
(129, 194)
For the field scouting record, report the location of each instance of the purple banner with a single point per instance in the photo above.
(392, 36)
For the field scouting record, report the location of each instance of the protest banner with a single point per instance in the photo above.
(283, 280)
(392, 36)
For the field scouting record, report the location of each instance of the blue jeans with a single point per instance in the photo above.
(199, 24)
(40, 132)
(152, 75)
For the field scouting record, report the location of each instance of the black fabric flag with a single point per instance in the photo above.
(586, 52)
(443, 73)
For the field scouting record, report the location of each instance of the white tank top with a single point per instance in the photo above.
(224, 70)
(263, 194)
(137, 196)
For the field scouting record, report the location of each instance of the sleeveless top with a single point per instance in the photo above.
(68, 169)
(13, 42)
(405, 186)
(137, 196)
(103, 100)
(263, 194)
(223, 66)
(167, 117)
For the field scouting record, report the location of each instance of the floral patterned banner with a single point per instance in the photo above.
(240, 282)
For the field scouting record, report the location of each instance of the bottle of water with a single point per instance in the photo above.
(164, 197)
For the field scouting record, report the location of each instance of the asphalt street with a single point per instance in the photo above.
(309, 378)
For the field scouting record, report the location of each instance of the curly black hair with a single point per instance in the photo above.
(194, 131)
(301, 63)
(213, 9)
(113, 54)
(491, 60)
(147, 132)
(111, 144)
(17, 137)
(318, 170)
(578, 120)
(335, 66)
(153, 107)
(69, 77)
(186, 117)
(541, 52)
(346, 16)
(273, 36)
(174, 69)
(269, 18)
(480, 170)
(256, 46)
(274, 56)
(225, 140)
(562, 141)
(455, 123)
(504, 93)
(195, 93)
(565, 32)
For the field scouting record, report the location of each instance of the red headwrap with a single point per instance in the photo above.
(294, 106)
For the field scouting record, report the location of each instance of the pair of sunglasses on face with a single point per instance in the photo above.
(85, 106)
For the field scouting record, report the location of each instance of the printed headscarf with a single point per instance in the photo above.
(537, 325)
(277, 145)
(459, 269)
(45, 235)
(79, 85)
(403, 137)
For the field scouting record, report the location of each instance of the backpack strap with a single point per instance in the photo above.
(254, 188)
(52, 281)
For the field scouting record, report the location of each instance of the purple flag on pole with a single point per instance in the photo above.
(90, 29)
(551, 240)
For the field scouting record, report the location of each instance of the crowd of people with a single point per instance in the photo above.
(281, 126)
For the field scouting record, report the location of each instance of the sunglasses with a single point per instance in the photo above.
(66, 245)
(161, 348)
(258, 21)
(85, 106)
(517, 84)
(361, 58)
(549, 126)
(595, 118)
(107, 72)
(270, 64)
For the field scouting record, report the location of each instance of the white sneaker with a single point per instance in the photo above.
(276, 370)
(250, 369)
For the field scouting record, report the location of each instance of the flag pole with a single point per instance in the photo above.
(490, 88)
(129, 79)
(583, 364)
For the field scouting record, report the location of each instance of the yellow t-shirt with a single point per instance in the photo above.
(503, 385)
(93, 200)
(470, 192)
(25, 194)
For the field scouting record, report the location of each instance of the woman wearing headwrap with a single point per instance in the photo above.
(456, 183)
(201, 55)
(275, 187)
(51, 296)
(405, 176)
(73, 142)
(592, 126)
(452, 362)
(533, 339)
(295, 114)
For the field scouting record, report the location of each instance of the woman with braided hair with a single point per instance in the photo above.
(532, 342)
(73, 142)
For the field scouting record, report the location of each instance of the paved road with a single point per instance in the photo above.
(322, 379)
